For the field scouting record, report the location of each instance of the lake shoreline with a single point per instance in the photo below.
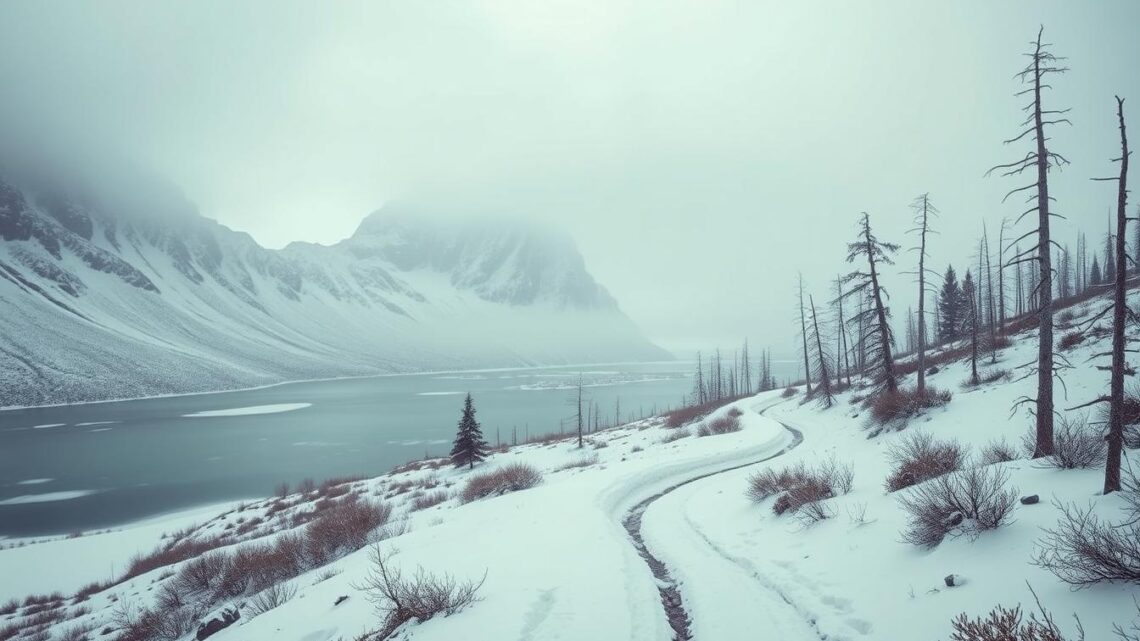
(12, 408)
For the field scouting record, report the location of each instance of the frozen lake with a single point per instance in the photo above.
(82, 467)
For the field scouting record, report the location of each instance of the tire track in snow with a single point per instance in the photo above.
(670, 594)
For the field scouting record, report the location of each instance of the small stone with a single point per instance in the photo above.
(1030, 500)
(341, 599)
(952, 580)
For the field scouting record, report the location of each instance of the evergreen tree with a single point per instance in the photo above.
(950, 307)
(970, 323)
(875, 319)
(1109, 259)
(469, 448)
(1094, 273)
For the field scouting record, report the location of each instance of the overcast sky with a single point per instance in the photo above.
(701, 153)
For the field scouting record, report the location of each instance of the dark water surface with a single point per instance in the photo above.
(139, 458)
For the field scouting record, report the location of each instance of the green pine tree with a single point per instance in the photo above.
(469, 448)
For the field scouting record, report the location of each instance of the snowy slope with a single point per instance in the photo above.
(560, 565)
(102, 296)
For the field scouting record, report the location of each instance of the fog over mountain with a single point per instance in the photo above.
(142, 296)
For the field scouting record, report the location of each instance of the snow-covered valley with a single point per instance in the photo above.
(560, 565)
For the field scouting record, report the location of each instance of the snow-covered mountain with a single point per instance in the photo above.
(107, 296)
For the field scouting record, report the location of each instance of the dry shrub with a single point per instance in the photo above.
(343, 529)
(202, 574)
(9, 607)
(676, 435)
(1070, 340)
(1008, 625)
(685, 415)
(998, 451)
(418, 597)
(75, 633)
(270, 598)
(1076, 444)
(1083, 550)
(789, 392)
(584, 461)
(892, 407)
(801, 489)
(509, 478)
(430, 499)
(917, 457)
(176, 551)
(144, 624)
(965, 502)
(724, 424)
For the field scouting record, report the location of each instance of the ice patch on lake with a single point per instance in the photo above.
(101, 429)
(47, 497)
(438, 441)
(462, 377)
(47, 425)
(93, 423)
(34, 481)
(250, 411)
(439, 393)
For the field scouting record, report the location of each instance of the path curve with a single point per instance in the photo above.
(671, 598)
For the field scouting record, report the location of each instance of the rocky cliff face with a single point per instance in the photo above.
(104, 298)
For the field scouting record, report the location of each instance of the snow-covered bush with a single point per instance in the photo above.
(967, 501)
(344, 528)
(1076, 444)
(801, 489)
(724, 424)
(899, 405)
(271, 597)
(789, 392)
(429, 499)
(509, 478)
(998, 451)
(401, 599)
(917, 457)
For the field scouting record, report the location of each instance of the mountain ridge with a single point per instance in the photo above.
(103, 300)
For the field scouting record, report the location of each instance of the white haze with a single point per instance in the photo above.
(700, 153)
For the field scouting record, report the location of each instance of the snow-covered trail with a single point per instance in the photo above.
(733, 597)
(725, 594)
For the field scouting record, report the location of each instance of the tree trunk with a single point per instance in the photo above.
(921, 385)
(1116, 388)
(803, 332)
(824, 382)
(1044, 414)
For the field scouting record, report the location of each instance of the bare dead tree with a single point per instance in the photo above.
(1042, 65)
(1116, 386)
(989, 295)
(1001, 276)
(824, 389)
(923, 211)
(877, 335)
(843, 346)
(803, 334)
(579, 414)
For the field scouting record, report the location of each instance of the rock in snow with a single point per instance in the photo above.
(120, 296)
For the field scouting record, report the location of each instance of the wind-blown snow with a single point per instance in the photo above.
(250, 411)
